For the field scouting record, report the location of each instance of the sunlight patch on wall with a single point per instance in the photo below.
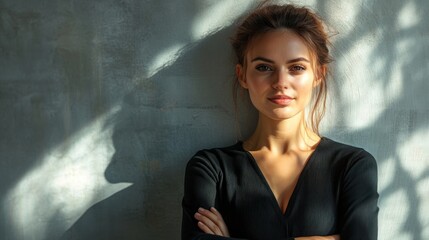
(69, 179)
(214, 16)
(307, 3)
(374, 89)
(165, 58)
(362, 93)
(408, 16)
(344, 23)
(386, 173)
(394, 211)
(414, 153)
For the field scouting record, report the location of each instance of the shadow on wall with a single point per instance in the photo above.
(53, 86)
(176, 112)
(59, 76)
(94, 55)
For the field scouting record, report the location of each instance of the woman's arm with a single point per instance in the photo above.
(200, 191)
(358, 209)
(213, 223)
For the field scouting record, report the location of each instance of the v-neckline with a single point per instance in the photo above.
(297, 185)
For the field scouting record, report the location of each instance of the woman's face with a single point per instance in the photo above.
(278, 74)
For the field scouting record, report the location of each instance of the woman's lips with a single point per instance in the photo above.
(282, 100)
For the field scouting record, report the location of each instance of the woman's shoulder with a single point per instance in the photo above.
(218, 155)
(225, 149)
(235, 148)
(344, 152)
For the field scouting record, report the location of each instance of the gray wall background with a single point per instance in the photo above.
(103, 102)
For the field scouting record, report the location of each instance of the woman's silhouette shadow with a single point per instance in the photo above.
(162, 122)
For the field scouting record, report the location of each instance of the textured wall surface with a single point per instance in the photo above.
(103, 102)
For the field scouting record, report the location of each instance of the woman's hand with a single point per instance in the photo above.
(332, 237)
(211, 221)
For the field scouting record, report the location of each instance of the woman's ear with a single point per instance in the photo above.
(241, 76)
(320, 75)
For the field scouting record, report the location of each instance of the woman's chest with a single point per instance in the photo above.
(312, 209)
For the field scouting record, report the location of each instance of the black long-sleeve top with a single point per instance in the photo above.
(336, 193)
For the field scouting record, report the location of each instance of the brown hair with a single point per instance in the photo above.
(304, 22)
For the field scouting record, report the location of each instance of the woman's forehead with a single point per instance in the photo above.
(278, 44)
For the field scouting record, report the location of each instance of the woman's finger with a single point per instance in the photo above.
(221, 222)
(204, 228)
(209, 224)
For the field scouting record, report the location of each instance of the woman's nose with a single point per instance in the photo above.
(281, 80)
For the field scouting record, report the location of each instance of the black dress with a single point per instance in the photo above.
(336, 193)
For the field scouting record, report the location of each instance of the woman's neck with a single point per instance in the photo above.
(282, 136)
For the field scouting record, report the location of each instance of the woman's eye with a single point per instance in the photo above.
(297, 68)
(263, 68)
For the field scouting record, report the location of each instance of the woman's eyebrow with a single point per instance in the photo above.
(262, 59)
(300, 59)
(303, 59)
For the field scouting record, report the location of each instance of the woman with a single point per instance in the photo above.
(285, 181)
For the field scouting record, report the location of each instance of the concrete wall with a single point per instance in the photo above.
(103, 102)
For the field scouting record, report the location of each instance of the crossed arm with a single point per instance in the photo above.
(210, 221)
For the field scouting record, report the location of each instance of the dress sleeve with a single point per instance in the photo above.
(358, 199)
(202, 178)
